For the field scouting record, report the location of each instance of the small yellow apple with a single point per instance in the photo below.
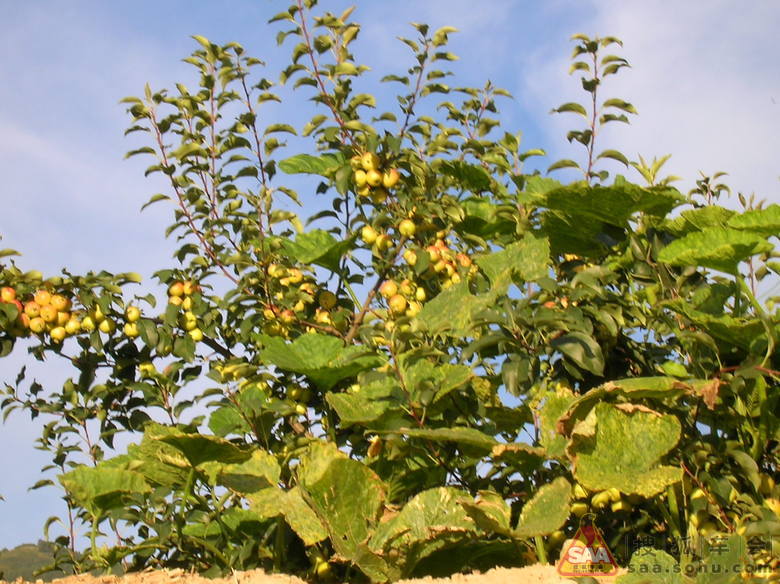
(133, 313)
(176, 289)
(369, 161)
(388, 289)
(106, 326)
(37, 325)
(58, 334)
(131, 330)
(397, 304)
(61, 303)
(390, 178)
(42, 297)
(407, 228)
(368, 234)
(196, 334)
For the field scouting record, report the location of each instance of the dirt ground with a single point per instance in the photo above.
(528, 575)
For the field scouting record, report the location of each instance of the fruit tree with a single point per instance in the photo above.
(431, 360)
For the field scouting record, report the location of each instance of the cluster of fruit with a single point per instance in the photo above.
(300, 293)
(404, 298)
(612, 497)
(51, 313)
(443, 262)
(370, 179)
(180, 293)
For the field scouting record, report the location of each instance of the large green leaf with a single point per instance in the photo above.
(102, 488)
(582, 350)
(452, 311)
(301, 518)
(348, 497)
(715, 248)
(727, 330)
(431, 521)
(528, 259)
(698, 220)
(622, 446)
(490, 512)
(368, 403)
(324, 359)
(318, 247)
(765, 221)
(471, 177)
(651, 566)
(199, 448)
(428, 382)
(547, 510)
(553, 404)
(260, 471)
(308, 164)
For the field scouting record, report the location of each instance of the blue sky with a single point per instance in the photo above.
(705, 79)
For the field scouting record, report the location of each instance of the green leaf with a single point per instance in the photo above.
(307, 164)
(258, 472)
(101, 489)
(764, 221)
(490, 512)
(621, 105)
(582, 350)
(715, 248)
(614, 155)
(469, 176)
(301, 518)
(368, 403)
(527, 259)
(322, 358)
(621, 447)
(554, 403)
(348, 497)
(318, 247)
(651, 566)
(547, 511)
(565, 163)
(199, 448)
(470, 437)
(573, 108)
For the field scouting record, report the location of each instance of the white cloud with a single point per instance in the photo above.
(705, 80)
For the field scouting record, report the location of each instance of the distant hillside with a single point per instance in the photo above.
(23, 561)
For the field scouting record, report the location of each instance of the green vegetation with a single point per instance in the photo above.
(26, 560)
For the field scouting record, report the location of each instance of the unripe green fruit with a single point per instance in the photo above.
(327, 299)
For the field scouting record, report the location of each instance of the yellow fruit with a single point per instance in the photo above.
(388, 288)
(369, 161)
(360, 178)
(413, 310)
(355, 162)
(63, 318)
(7, 294)
(287, 316)
(107, 326)
(580, 492)
(186, 304)
(373, 178)
(97, 314)
(420, 294)
(133, 313)
(390, 178)
(363, 191)
(175, 300)
(407, 228)
(614, 494)
(42, 297)
(621, 506)
(406, 288)
(58, 334)
(579, 509)
(37, 325)
(196, 334)
(88, 324)
(176, 289)
(322, 317)
(73, 326)
(131, 330)
(433, 254)
(383, 242)
(48, 313)
(146, 369)
(32, 309)
(61, 303)
(397, 304)
(374, 447)
(300, 409)
(600, 500)
(368, 234)
(189, 321)
(410, 256)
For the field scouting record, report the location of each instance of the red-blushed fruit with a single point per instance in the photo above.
(32, 309)
(58, 334)
(463, 260)
(196, 334)
(133, 313)
(397, 304)
(131, 330)
(25, 320)
(327, 299)
(388, 289)
(373, 178)
(42, 297)
(176, 289)
(390, 178)
(61, 303)
(287, 316)
(368, 234)
(37, 325)
(407, 228)
(48, 313)
(18, 305)
(7, 294)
